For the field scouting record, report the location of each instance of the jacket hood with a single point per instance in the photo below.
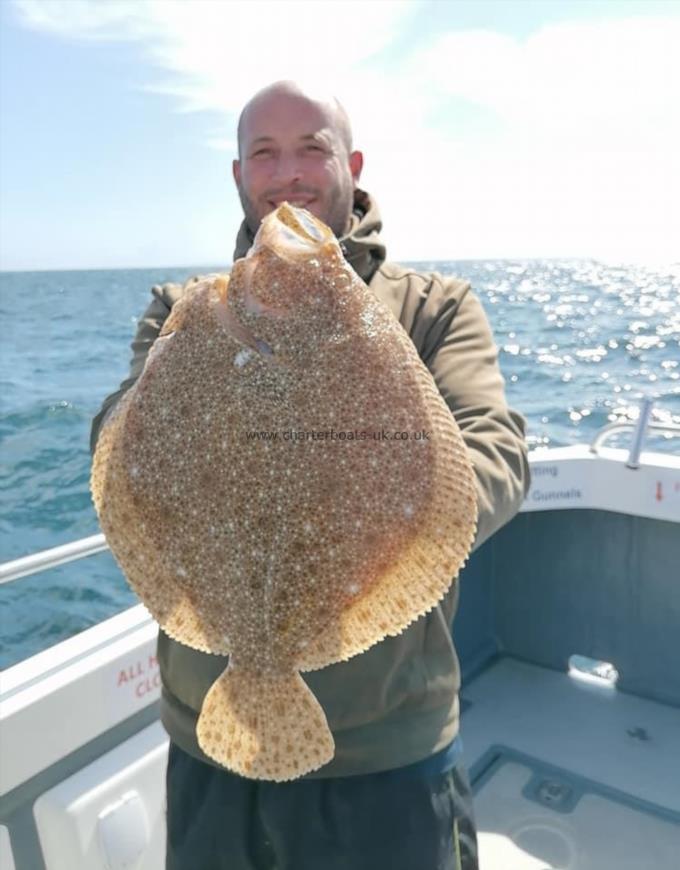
(361, 244)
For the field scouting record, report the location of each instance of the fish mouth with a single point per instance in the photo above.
(294, 236)
(292, 233)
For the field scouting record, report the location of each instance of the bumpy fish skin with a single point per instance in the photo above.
(286, 553)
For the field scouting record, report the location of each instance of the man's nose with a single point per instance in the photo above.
(288, 169)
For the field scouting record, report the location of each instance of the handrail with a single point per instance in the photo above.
(646, 406)
(52, 558)
(672, 429)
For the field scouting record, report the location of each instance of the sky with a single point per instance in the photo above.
(490, 128)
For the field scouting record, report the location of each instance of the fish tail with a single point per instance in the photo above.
(264, 726)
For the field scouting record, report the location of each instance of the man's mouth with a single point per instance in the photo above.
(293, 199)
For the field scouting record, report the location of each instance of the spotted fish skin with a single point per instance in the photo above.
(288, 553)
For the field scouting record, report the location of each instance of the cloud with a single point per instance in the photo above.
(583, 157)
(570, 81)
(565, 142)
(84, 19)
(218, 52)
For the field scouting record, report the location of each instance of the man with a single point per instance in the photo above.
(396, 795)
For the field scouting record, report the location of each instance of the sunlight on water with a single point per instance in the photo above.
(581, 342)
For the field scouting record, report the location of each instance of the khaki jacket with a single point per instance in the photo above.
(397, 703)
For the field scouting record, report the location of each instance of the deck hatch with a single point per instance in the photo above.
(531, 814)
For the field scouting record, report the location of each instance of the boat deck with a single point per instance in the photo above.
(570, 773)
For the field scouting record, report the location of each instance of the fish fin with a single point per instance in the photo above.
(173, 610)
(221, 285)
(175, 321)
(406, 591)
(402, 596)
(186, 625)
(264, 726)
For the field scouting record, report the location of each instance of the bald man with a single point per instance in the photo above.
(396, 795)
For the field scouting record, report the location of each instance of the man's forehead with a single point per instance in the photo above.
(287, 113)
(282, 113)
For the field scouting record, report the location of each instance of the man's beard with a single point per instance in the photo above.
(342, 202)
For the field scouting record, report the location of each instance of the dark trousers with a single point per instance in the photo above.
(381, 821)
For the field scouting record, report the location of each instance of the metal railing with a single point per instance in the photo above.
(52, 558)
(639, 428)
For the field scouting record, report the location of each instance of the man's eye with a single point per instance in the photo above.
(313, 148)
(262, 152)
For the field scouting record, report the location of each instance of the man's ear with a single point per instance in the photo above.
(356, 164)
(236, 171)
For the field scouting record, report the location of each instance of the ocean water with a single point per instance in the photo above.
(579, 343)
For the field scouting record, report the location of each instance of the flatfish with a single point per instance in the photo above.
(285, 485)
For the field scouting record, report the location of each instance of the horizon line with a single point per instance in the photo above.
(205, 268)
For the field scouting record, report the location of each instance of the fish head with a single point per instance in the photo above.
(295, 272)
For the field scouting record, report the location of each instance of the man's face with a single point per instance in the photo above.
(292, 149)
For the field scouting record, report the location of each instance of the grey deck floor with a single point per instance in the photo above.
(569, 774)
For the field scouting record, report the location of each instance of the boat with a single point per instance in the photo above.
(568, 635)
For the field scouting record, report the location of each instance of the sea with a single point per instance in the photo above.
(580, 343)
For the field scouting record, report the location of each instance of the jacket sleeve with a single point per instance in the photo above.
(148, 327)
(463, 359)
